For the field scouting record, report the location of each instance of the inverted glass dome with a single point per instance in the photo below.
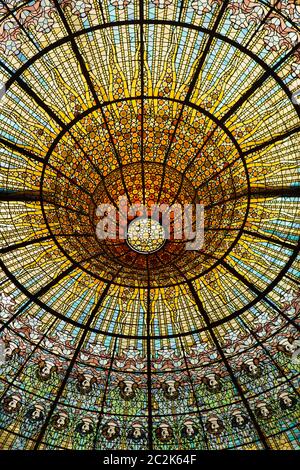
(139, 342)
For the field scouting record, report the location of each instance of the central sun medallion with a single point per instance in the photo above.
(145, 235)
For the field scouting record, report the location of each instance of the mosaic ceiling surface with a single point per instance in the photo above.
(110, 347)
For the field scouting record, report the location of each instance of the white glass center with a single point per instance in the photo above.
(145, 235)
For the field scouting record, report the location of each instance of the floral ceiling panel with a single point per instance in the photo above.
(141, 343)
